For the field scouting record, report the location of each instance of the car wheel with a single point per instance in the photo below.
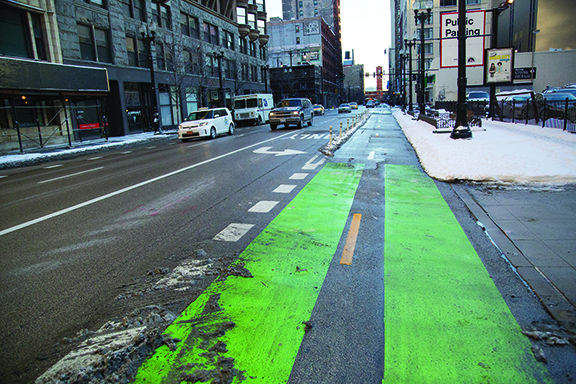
(311, 119)
(273, 127)
(231, 129)
(213, 133)
(301, 122)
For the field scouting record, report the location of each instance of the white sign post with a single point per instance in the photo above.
(475, 40)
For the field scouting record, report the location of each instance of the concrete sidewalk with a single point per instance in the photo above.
(535, 230)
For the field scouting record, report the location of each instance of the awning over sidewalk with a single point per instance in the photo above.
(29, 75)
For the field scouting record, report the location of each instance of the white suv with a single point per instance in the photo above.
(206, 123)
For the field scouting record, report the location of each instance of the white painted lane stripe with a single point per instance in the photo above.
(125, 152)
(233, 232)
(2, 176)
(123, 190)
(151, 147)
(310, 165)
(371, 155)
(95, 158)
(53, 166)
(263, 206)
(70, 175)
(284, 188)
(298, 176)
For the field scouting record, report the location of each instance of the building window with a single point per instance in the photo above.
(301, 13)
(447, 3)
(262, 26)
(251, 20)
(260, 4)
(245, 75)
(427, 63)
(210, 33)
(428, 49)
(134, 8)
(143, 54)
(208, 67)
(161, 14)
(253, 73)
(427, 33)
(253, 49)
(86, 43)
(189, 25)
(297, 28)
(297, 39)
(160, 56)
(315, 12)
(472, 2)
(102, 45)
(241, 15)
(300, 4)
(244, 46)
(98, 3)
(262, 53)
(16, 36)
(228, 40)
(132, 50)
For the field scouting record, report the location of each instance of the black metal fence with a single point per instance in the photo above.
(30, 127)
(545, 113)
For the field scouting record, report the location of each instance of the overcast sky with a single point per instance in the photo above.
(365, 28)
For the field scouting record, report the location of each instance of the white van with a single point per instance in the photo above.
(253, 109)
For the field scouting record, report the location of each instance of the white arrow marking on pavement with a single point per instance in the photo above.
(286, 152)
(310, 164)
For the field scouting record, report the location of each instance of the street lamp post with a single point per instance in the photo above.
(148, 33)
(461, 129)
(219, 56)
(494, 42)
(421, 15)
(410, 44)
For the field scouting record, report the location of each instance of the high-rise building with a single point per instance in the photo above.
(329, 10)
(529, 28)
(91, 61)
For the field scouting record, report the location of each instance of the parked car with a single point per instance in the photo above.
(517, 106)
(344, 108)
(295, 111)
(353, 105)
(318, 109)
(206, 123)
(570, 90)
(478, 96)
(370, 104)
(555, 103)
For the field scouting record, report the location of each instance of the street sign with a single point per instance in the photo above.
(524, 73)
(475, 30)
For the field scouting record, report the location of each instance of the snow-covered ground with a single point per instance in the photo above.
(497, 152)
(85, 147)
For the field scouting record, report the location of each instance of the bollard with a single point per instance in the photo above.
(330, 139)
(341, 127)
(347, 123)
(340, 133)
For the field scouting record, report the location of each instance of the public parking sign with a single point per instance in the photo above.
(475, 27)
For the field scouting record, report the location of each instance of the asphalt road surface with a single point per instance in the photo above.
(87, 240)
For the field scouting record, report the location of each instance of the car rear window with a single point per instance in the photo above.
(289, 103)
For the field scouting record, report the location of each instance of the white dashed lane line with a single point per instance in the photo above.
(284, 188)
(263, 206)
(53, 166)
(70, 175)
(298, 176)
(233, 232)
(371, 155)
(125, 152)
(95, 158)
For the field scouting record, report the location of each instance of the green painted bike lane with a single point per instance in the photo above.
(445, 320)
(250, 328)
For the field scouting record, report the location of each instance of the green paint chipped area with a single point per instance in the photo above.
(445, 320)
(257, 332)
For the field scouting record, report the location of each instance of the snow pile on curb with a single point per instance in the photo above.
(15, 160)
(500, 152)
(337, 141)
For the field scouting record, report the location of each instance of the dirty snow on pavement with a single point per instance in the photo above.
(498, 152)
